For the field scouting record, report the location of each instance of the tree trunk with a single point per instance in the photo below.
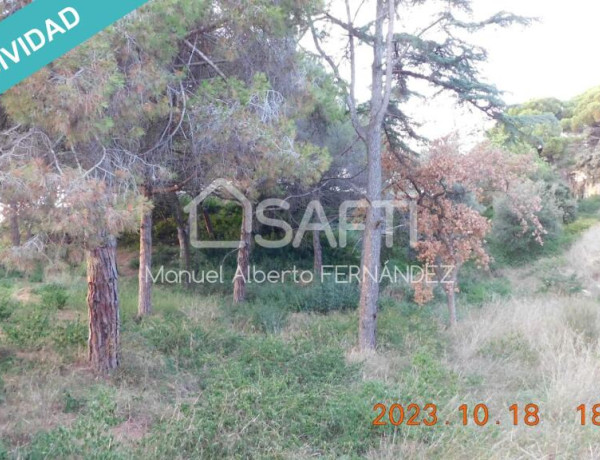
(451, 301)
(103, 307)
(413, 229)
(145, 280)
(450, 289)
(380, 97)
(370, 261)
(317, 253)
(182, 235)
(208, 223)
(243, 262)
(15, 232)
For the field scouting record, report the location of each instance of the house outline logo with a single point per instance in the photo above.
(192, 210)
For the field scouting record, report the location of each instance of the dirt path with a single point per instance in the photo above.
(581, 260)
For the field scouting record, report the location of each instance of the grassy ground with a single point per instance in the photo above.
(278, 378)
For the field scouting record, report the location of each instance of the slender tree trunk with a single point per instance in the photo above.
(15, 232)
(145, 281)
(103, 307)
(243, 262)
(413, 229)
(370, 263)
(450, 289)
(208, 223)
(451, 301)
(182, 235)
(317, 253)
(381, 85)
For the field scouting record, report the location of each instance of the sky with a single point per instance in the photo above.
(556, 56)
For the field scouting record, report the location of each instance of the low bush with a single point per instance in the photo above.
(37, 275)
(510, 244)
(73, 334)
(2, 398)
(427, 379)
(590, 207)
(315, 297)
(53, 296)
(3, 451)
(478, 287)
(7, 304)
(561, 283)
(580, 225)
(28, 329)
(513, 346)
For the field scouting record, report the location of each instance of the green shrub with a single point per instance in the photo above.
(7, 276)
(428, 379)
(329, 296)
(479, 289)
(134, 263)
(73, 334)
(316, 297)
(2, 399)
(165, 255)
(28, 329)
(407, 327)
(268, 318)
(37, 275)
(561, 283)
(510, 245)
(54, 296)
(89, 436)
(590, 207)
(7, 305)
(580, 225)
(513, 346)
(3, 451)
(70, 404)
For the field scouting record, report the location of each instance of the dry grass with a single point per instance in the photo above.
(523, 351)
(34, 401)
(584, 257)
(542, 349)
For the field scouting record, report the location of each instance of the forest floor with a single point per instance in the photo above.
(204, 379)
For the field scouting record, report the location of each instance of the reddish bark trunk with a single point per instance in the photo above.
(103, 307)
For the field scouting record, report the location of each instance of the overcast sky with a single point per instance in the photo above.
(556, 57)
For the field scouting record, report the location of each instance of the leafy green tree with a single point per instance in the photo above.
(250, 141)
(111, 108)
(534, 125)
(585, 112)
